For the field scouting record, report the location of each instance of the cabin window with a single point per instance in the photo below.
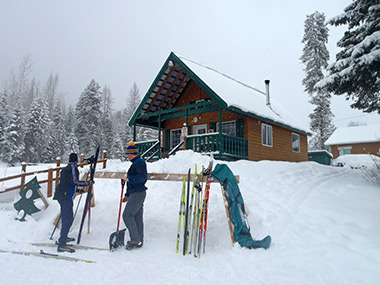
(175, 137)
(296, 146)
(344, 150)
(228, 128)
(266, 135)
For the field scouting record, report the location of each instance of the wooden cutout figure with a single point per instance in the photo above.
(28, 195)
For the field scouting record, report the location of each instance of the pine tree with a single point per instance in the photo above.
(3, 118)
(37, 133)
(118, 151)
(13, 147)
(50, 92)
(88, 113)
(72, 145)
(132, 104)
(356, 71)
(57, 136)
(315, 56)
(107, 125)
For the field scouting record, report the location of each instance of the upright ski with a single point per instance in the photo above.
(186, 229)
(93, 160)
(181, 212)
(203, 219)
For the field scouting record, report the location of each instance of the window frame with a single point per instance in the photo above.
(266, 137)
(299, 143)
(224, 123)
(172, 137)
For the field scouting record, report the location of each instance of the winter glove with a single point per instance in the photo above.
(80, 191)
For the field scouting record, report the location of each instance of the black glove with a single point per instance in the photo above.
(80, 191)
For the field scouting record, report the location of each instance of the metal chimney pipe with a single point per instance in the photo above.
(267, 91)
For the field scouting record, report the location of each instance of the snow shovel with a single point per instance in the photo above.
(117, 238)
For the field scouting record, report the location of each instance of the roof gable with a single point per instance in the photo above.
(225, 91)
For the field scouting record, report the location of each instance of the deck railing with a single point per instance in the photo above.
(220, 145)
(224, 146)
(149, 150)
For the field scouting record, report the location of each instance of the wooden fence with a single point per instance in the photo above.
(53, 175)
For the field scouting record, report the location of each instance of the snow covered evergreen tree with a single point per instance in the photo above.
(13, 146)
(118, 150)
(57, 136)
(107, 125)
(37, 133)
(71, 145)
(356, 71)
(315, 56)
(3, 118)
(50, 92)
(70, 119)
(142, 134)
(88, 113)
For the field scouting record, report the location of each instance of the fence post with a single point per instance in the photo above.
(57, 171)
(50, 183)
(23, 170)
(105, 159)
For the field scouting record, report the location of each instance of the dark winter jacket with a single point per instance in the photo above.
(69, 178)
(137, 176)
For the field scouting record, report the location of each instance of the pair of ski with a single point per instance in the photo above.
(44, 254)
(198, 225)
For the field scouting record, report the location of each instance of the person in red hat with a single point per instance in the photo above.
(64, 193)
(135, 196)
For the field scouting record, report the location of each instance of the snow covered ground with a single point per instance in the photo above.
(324, 223)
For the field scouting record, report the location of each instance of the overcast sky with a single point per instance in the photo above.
(121, 42)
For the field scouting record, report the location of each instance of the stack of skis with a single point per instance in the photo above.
(193, 212)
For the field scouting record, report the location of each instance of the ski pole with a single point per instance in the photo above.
(76, 210)
(55, 226)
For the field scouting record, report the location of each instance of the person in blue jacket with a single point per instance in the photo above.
(135, 196)
(64, 193)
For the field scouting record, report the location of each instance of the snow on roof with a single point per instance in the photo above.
(358, 134)
(242, 96)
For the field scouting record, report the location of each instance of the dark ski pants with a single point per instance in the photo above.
(66, 219)
(133, 216)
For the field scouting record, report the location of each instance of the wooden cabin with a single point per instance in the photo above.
(355, 140)
(196, 107)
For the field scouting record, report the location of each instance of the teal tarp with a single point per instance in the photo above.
(241, 230)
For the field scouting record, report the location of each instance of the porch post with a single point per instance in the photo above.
(221, 149)
(134, 132)
(187, 125)
(159, 136)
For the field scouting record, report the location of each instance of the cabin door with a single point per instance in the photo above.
(200, 129)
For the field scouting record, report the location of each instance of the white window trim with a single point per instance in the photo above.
(299, 143)
(271, 135)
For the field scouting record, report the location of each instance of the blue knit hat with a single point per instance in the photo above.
(131, 149)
